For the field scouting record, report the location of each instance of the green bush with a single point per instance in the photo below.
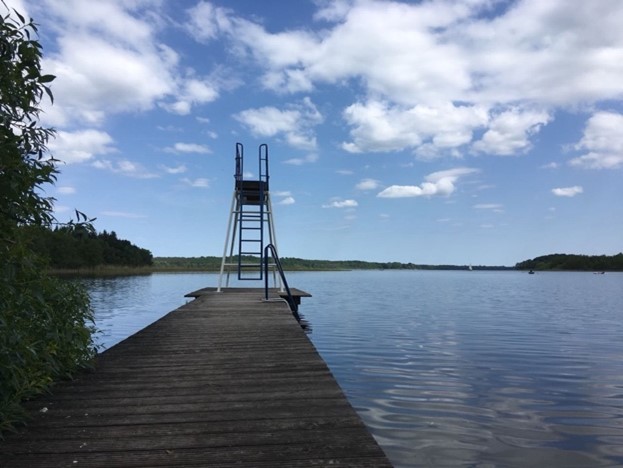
(45, 332)
(45, 324)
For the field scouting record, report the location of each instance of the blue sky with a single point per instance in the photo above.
(464, 132)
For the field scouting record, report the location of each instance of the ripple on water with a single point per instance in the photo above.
(492, 371)
(478, 369)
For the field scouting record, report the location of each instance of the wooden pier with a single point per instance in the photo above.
(225, 380)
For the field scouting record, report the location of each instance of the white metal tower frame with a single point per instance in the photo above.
(228, 263)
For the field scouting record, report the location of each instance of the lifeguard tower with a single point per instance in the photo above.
(251, 230)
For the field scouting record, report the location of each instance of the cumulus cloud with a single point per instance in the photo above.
(192, 91)
(471, 66)
(567, 191)
(109, 58)
(295, 123)
(438, 183)
(381, 126)
(341, 204)
(509, 131)
(368, 184)
(287, 201)
(602, 141)
(80, 146)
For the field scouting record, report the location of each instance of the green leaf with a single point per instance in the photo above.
(21, 18)
(46, 78)
(48, 91)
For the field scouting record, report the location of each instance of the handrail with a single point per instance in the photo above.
(239, 162)
(293, 306)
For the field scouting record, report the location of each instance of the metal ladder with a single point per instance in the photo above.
(250, 221)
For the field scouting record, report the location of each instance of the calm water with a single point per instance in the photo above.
(462, 368)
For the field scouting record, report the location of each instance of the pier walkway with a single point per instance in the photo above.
(225, 380)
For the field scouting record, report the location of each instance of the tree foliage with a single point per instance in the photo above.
(300, 264)
(45, 323)
(67, 248)
(574, 262)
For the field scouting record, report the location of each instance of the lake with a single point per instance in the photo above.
(448, 368)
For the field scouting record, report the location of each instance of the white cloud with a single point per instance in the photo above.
(174, 170)
(518, 63)
(437, 183)
(567, 191)
(109, 58)
(286, 197)
(197, 183)
(61, 208)
(80, 146)
(96, 76)
(381, 126)
(193, 91)
(125, 167)
(509, 131)
(295, 123)
(367, 184)
(66, 190)
(341, 204)
(603, 141)
(495, 207)
(310, 158)
(188, 148)
(203, 21)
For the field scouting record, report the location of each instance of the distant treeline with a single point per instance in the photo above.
(78, 249)
(574, 262)
(299, 264)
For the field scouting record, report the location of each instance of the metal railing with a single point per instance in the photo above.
(290, 299)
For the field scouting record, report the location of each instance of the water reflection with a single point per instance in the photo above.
(450, 368)
(457, 369)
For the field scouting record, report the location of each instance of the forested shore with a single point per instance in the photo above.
(570, 262)
(212, 263)
(81, 249)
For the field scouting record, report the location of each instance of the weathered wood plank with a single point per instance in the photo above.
(227, 379)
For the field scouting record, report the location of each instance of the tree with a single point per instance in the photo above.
(45, 323)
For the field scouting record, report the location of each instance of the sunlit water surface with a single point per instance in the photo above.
(446, 368)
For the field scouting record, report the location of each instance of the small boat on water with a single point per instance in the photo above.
(531, 272)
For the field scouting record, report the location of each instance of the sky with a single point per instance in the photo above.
(476, 132)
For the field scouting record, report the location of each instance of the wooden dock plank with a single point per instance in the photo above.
(225, 380)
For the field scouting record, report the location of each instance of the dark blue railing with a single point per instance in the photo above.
(293, 305)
